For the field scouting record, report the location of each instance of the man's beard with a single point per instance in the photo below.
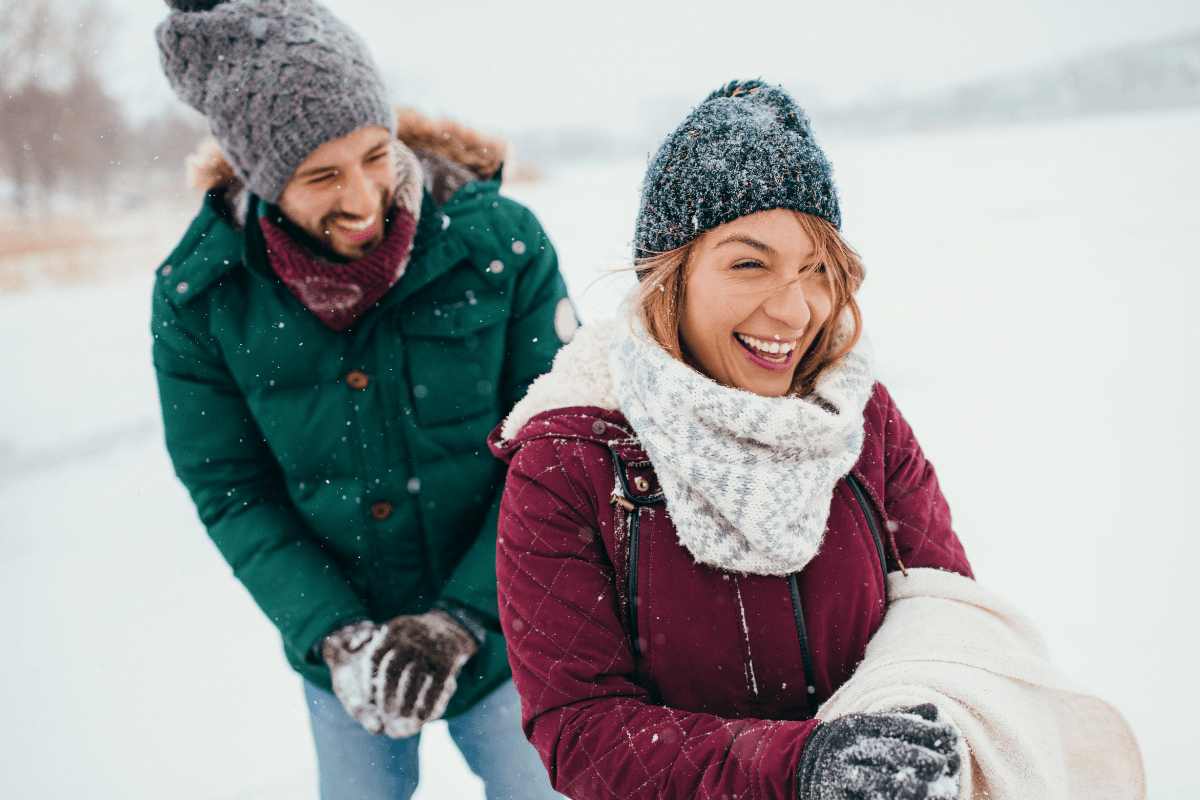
(325, 238)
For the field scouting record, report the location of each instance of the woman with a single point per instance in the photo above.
(704, 500)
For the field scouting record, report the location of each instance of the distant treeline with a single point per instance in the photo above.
(1163, 74)
(60, 130)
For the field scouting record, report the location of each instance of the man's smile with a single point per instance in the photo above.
(358, 231)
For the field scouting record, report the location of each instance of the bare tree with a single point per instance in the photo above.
(164, 142)
(95, 144)
(27, 130)
(30, 33)
(56, 120)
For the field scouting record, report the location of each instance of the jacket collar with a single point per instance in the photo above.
(635, 480)
(213, 245)
(210, 248)
(574, 400)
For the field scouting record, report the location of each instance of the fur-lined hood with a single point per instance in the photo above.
(578, 378)
(452, 154)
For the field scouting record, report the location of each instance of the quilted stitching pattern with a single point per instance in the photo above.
(589, 705)
(917, 513)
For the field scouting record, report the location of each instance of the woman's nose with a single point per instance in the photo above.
(788, 306)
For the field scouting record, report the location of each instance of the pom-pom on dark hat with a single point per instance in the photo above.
(747, 148)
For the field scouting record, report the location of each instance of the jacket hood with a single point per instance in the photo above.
(574, 400)
(579, 377)
(465, 153)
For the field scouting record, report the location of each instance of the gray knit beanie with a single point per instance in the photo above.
(748, 147)
(276, 78)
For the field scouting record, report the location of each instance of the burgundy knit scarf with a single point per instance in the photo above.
(340, 293)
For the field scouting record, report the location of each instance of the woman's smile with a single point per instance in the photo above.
(771, 354)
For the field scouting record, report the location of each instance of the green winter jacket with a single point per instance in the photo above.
(331, 498)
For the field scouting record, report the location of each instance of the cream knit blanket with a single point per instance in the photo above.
(1029, 732)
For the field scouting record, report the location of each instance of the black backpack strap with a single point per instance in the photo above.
(861, 495)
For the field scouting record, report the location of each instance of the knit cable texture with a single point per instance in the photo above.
(747, 148)
(276, 79)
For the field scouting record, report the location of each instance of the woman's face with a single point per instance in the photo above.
(752, 302)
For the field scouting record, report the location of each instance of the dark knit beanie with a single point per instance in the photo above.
(275, 78)
(748, 147)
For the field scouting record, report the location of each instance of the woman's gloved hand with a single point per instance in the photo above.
(907, 754)
(395, 677)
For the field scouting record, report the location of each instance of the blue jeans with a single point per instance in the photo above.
(356, 765)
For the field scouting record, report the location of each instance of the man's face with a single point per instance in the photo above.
(339, 194)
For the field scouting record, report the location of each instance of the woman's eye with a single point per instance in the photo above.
(746, 265)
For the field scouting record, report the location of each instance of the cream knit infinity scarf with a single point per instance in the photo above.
(748, 480)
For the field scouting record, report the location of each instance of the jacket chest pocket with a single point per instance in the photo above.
(455, 352)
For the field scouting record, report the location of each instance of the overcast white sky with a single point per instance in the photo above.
(531, 64)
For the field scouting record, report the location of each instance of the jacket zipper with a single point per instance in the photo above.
(631, 583)
(631, 579)
(631, 567)
(632, 504)
(810, 683)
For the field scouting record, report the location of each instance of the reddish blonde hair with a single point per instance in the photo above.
(659, 298)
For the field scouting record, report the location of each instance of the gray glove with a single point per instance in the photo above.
(906, 754)
(395, 677)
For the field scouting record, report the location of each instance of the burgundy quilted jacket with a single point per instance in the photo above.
(643, 674)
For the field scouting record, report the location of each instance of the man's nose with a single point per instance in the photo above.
(358, 199)
(788, 305)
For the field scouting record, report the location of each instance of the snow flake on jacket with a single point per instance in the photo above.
(342, 473)
(645, 674)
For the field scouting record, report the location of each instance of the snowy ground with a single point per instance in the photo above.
(1029, 298)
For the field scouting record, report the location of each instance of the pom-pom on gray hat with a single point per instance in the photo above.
(748, 147)
(275, 78)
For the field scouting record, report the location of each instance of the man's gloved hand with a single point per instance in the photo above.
(395, 677)
(904, 754)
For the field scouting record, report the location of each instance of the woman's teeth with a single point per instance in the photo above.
(768, 349)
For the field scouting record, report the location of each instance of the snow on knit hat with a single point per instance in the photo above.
(748, 147)
(275, 78)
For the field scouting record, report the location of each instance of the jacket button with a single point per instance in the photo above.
(599, 427)
(357, 379)
(641, 484)
(381, 510)
(496, 267)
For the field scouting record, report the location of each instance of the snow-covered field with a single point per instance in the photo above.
(1029, 296)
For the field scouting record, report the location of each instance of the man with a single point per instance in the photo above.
(334, 337)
